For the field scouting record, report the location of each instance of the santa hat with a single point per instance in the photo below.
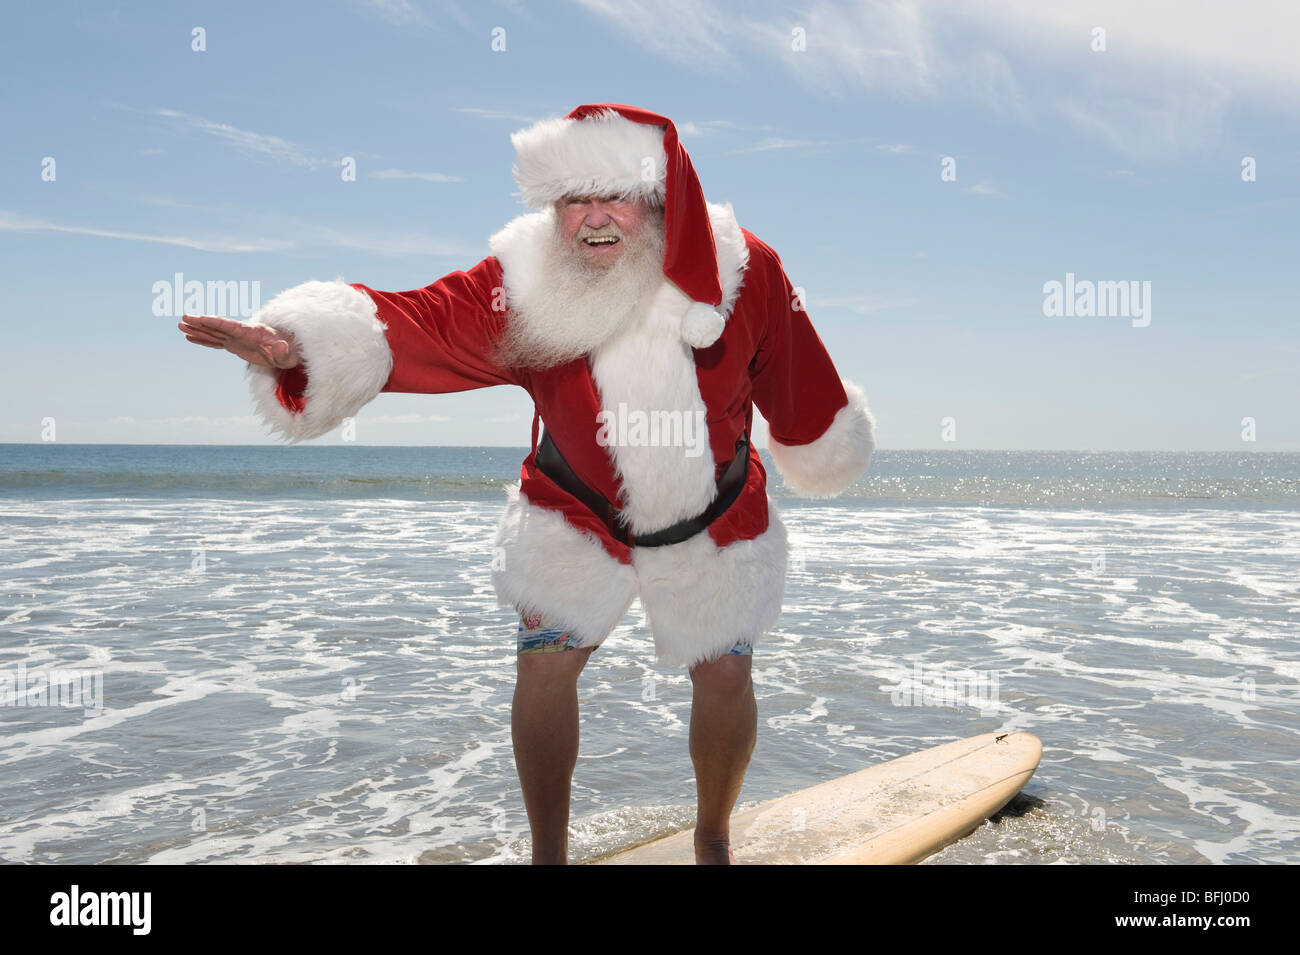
(614, 150)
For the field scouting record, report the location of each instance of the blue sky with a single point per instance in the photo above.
(1122, 164)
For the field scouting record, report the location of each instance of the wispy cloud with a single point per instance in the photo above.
(399, 12)
(496, 114)
(405, 174)
(248, 142)
(984, 188)
(862, 304)
(697, 34)
(767, 145)
(706, 126)
(1164, 85)
(699, 129)
(170, 202)
(894, 149)
(387, 242)
(1251, 42)
(297, 237)
(15, 222)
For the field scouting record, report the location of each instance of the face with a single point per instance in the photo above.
(597, 229)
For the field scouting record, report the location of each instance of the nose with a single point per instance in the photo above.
(597, 216)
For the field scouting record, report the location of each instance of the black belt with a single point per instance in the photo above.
(551, 463)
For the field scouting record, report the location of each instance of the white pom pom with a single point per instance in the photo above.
(701, 325)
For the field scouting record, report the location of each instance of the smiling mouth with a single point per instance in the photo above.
(601, 241)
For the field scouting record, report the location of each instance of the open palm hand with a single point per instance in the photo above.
(258, 344)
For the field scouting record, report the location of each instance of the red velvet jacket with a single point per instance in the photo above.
(769, 354)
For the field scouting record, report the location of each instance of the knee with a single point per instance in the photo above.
(729, 675)
(558, 670)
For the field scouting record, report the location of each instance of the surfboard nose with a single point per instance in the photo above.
(1027, 743)
(897, 812)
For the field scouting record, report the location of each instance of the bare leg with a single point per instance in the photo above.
(724, 727)
(544, 724)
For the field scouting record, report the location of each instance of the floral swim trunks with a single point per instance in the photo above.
(535, 637)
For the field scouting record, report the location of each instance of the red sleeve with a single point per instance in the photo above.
(441, 337)
(795, 384)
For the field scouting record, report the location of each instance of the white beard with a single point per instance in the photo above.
(577, 308)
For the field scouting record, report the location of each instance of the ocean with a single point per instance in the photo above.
(294, 654)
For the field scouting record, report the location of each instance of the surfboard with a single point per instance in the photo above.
(894, 813)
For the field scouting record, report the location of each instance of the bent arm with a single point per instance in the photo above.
(356, 342)
(821, 433)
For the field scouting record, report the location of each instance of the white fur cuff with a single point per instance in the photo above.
(344, 351)
(828, 465)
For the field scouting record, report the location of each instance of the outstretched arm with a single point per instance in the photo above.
(320, 351)
(821, 433)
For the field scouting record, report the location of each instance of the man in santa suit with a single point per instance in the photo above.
(645, 324)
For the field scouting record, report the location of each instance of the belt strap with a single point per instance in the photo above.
(552, 464)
